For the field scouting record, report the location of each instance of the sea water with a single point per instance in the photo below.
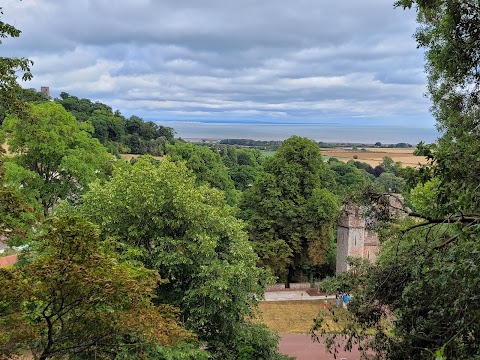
(339, 133)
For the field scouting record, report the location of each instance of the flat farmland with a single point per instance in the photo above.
(374, 156)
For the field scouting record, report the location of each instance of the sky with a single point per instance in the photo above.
(306, 61)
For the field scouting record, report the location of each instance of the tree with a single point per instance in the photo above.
(389, 183)
(390, 166)
(190, 236)
(426, 283)
(114, 131)
(207, 166)
(49, 142)
(449, 32)
(9, 69)
(244, 165)
(349, 178)
(289, 211)
(74, 297)
(16, 216)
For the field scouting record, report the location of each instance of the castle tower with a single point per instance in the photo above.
(45, 90)
(351, 236)
(354, 239)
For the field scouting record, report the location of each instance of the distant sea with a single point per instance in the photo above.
(341, 133)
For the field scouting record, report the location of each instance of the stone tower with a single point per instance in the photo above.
(45, 90)
(354, 239)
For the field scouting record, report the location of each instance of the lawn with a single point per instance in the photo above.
(287, 317)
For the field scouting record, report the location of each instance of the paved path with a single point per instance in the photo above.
(302, 347)
(288, 295)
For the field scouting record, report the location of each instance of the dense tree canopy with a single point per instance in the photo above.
(49, 142)
(206, 164)
(449, 31)
(349, 178)
(188, 234)
(73, 296)
(244, 165)
(422, 297)
(16, 216)
(289, 210)
(112, 129)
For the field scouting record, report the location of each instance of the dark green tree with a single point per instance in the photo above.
(289, 211)
(349, 178)
(425, 285)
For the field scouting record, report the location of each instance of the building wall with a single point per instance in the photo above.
(342, 249)
(350, 236)
(353, 239)
(45, 90)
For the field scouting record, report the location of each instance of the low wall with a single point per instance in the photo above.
(275, 287)
(295, 286)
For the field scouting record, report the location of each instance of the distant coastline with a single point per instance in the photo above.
(328, 133)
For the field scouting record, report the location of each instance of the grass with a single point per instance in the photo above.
(288, 317)
(129, 157)
(268, 153)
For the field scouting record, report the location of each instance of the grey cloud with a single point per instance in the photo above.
(225, 59)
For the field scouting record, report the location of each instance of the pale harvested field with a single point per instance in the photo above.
(374, 156)
(288, 317)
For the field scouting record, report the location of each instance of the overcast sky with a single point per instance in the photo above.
(349, 61)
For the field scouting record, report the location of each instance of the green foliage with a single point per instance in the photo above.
(388, 182)
(120, 135)
(289, 211)
(421, 299)
(424, 198)
(257, 342)
(59, 155)
(182, 351)
(73, 296)
(390, 166)
(259, 144)
(9, 72)
(449, 32)
(16, 216)
(244, 165)
(190, 235)
(349, 178)
(207, 166)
